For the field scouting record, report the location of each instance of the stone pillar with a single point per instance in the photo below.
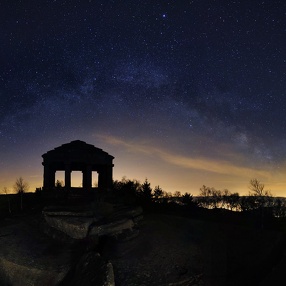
(109, 170)
(67, 176)
(105, 178)
(46, 177)
(87, 178)
(101, 179)
(49, 177)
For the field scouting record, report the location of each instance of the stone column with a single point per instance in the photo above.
(87, 178)
(67, 176)
(109, 170)
(49, 177)
(105, 178)
(100, 179)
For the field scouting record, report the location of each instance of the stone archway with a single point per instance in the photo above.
(78, 156)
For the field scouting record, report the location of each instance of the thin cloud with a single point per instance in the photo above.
(204, 164)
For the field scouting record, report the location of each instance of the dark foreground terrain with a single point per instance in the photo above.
(169, 250)
(173, 250)
(165, 249)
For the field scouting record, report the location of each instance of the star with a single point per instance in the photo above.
(138, 73)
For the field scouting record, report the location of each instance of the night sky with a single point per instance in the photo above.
(183, 93)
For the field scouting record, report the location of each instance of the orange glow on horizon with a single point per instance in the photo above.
(165, 167)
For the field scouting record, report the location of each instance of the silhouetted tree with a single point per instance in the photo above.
(204, 199)
(209, 197)
(21, 187)
(177, 194)
(216, 198)
(248, 203)
(59, 184)
(230, 200)
(127, 190)
(257, 188)
(279, 207)
(233, 201)
(187, 199)
(263, 198)
(146, 192)
(157, 193)
(166, 197)
(225, 198)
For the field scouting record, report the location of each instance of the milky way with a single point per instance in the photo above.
(184, 93)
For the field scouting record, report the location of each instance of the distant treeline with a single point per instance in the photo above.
(209, 197)
(133, 192)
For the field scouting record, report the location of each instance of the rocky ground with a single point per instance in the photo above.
(160, 250)
(166, 252)
(28, 257)
(173, 250)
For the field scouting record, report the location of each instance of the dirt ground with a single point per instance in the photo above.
(165, 251)
(171, 250)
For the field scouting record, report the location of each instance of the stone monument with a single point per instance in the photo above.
(78, 156)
